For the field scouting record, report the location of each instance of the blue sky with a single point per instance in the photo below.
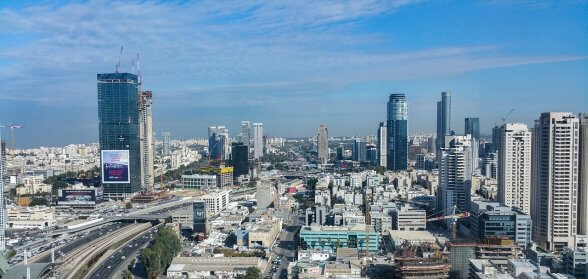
(289, 64)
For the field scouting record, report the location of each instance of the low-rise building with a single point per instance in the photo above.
(199, 181)
(38, 217)
(216, 201)
(409, 219)
(329, 238)
(220, 267)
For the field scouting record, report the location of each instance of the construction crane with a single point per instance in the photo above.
(119, 57)
(506, 117)
(449, 213)
(12, 126)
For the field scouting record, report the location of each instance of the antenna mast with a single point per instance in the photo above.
(139, 69)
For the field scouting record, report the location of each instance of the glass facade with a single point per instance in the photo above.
(472, 127)
(118, 124)
(397, 132)
(240, 159)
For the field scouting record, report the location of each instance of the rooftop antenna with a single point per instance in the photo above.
(119, 57)
(139, 69)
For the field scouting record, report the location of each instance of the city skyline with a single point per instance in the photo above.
(47, 66)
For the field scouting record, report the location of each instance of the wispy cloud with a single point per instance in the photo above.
(217, 44)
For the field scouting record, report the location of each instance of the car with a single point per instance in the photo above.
(109, 267)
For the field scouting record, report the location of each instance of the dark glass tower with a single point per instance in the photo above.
(472, 127)
(118, 124)
(240, 159)
(397, 132)
(443, 119)
(199, 216)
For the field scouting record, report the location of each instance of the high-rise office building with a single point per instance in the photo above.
(245, 133)
(443, 118)
(514, 167)
(583, 176)
(240, 159)
(472, 127)
(323, 144)
(490, 168)
(218, 143)
(340, 153)
(118, 124)
(554, 187)
(359, 152)
(166, 143)
(146, 137)
(199, 217)
(257, 140)
(3, 171)
(495, 139)
(397, 132)
(455, 173)
(2, 204)
(383, 145)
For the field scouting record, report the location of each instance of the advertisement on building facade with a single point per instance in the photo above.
(115, 166)
(76, 197)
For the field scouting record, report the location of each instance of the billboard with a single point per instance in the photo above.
(76, 197)
(115, 166)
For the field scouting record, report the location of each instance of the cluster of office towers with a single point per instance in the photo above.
(541, 171)
(219, 146)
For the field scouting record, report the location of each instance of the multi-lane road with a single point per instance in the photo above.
(108, 268)
(285, 249)
(62, 250)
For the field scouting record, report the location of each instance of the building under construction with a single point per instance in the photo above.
(421, 261)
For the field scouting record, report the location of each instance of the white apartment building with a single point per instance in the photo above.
(555, 180)
(257, 140)
(514, 167)
(216, 201)
(323, 144)
(409, 219)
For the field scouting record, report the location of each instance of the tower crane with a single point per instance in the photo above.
(450, 213)
(506, 117)
(12, 126)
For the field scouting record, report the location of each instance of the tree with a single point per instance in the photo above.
(253, 273)
(129, 205)
(38, 201)
(161, 252)
(231, 240)
(127, 275)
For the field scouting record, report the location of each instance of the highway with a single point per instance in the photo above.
(108, 268)
(62, 250)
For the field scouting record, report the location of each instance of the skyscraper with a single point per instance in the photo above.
(359, 152)
(245, 133)
(397, 132)
(455, 173)
(257, 140)
(383, 145)
(2, 207)
(166, 143)
(323, 144)
(443, 118)
(118, 124)
(554, 187)
(514, 167)
(218, 141)
(146, 137)
(583, 179)
(472, 127)
(240, 159)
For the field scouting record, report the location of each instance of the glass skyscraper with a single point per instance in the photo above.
(118, 124)
(443, 118)
(472, 127)
(397, 132)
